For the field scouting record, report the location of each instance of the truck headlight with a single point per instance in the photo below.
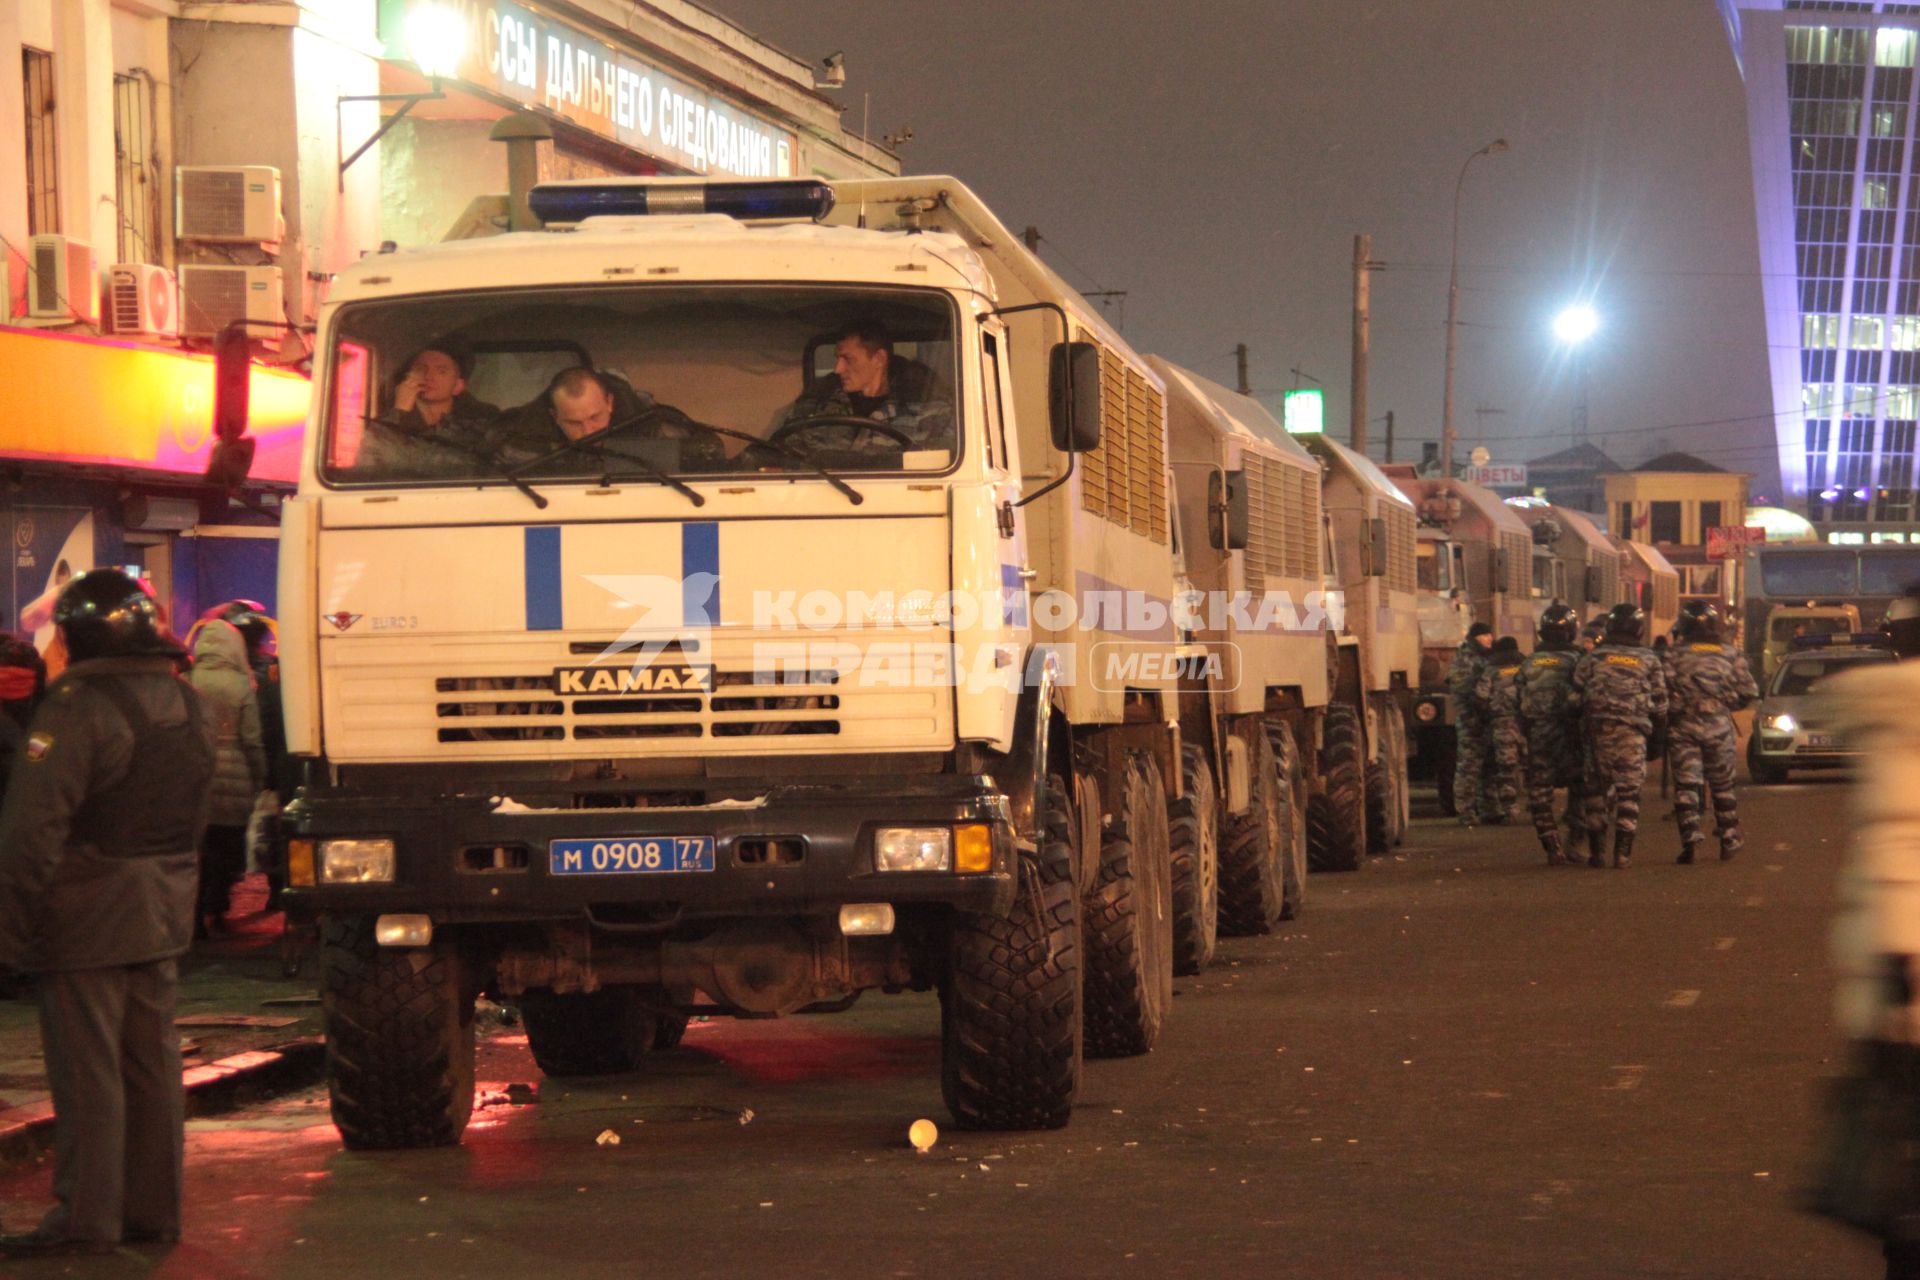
(1426, 712)
(1784, 722)
(356, 861)
(912, 849)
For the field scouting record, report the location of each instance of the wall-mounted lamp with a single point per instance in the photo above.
(437, 39)
(836, 71)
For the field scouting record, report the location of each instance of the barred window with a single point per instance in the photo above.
(135, 169)
(43, 186)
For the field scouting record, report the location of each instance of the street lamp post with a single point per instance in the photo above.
(1453, 307)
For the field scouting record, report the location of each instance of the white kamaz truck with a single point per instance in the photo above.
(681, 668)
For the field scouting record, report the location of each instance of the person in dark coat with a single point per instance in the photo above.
(224, 681)
(99, 841)
(23, 680)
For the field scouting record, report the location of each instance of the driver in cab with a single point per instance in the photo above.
(869, 381)
(580, 403)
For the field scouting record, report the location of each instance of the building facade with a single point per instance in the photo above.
(1669, 504)
(1832, 117)
(173, 166)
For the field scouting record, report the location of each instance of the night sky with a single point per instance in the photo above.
(1214, 160)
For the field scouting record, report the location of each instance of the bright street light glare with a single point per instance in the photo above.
(1576, 324)
(437, 39)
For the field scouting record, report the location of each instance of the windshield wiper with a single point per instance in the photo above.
(786, 451)
(479, 455)
(593, 442)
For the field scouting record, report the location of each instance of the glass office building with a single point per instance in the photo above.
(1831, 112)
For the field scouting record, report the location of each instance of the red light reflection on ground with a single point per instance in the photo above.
(791, 1053)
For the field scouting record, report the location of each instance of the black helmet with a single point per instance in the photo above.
(251, 619)
(1903, 623)
(1558, 625)
(1626, 624)
(103, 613)
(1699, 621)
(1507, 644)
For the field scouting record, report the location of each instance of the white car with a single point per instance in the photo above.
(1789, 728)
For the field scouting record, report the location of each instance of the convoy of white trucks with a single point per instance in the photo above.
(735, 702)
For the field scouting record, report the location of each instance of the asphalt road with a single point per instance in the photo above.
(1458, 1063)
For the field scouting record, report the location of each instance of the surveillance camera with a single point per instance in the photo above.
(836, 65)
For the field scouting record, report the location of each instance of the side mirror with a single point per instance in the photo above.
(232, 453)
(1377, 547)
(1499, 568)
(1073, 396)
(1229, 509)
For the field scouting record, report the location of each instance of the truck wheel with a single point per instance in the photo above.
(1337, 815)
(1128, 919)
(1403, 811)
(588, 1033)
(1195, 834)
(671, 1030)
(1293, 821)
(1252, 874)
(400, 1043)
(1010, 1009)
(1387, 786)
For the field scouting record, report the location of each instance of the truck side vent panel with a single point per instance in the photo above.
(1401, 536)
(1125, 479)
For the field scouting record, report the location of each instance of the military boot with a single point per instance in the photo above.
(1687, 845)
(1730, 843)
(1555, 854)
(1622, 850)
(1597, 847)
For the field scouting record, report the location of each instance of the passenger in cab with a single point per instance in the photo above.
(580, 403)
(869, 381)
(435, 428)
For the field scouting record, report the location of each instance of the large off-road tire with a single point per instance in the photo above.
(1337, 813)
(1446, 760)
(672, 1029)
(1252, 874)
(1387, 785)
(1128, 919)
(589, 1033)
(1195, 838)
(1293, 820)
(1010, 1009)
(400, 1039)
(1403, 812)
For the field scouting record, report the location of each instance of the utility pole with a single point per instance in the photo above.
(1453, 308)
(1032, 236)
(1242, 385)
(1389, 457)
(1362, 264)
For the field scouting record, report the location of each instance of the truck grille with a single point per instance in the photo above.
(387, 700)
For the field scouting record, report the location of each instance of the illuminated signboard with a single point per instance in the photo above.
(97, 400)
(1303, 411)
(541, 61)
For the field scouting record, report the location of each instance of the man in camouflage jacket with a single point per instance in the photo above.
(1707, 682)
(1470, 726)
(1622, 692)
(1552, 727)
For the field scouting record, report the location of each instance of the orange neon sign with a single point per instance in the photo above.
(101, 400)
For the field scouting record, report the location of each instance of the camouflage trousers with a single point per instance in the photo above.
(1703, 756)
(1550, 765)
(1509, 761)
(1616, 770)
(1472, 747)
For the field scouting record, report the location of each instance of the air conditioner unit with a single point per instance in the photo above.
(62, 283)
(228, 204)
(142, 298)
(211, 298)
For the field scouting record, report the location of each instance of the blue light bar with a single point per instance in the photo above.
(578, 201)
(1841, 640)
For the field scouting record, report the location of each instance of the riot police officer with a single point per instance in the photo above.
(1706, 683)
(99, 839)
(1500, 691)
(1470, 725)
(1622, 693)
(1552, 728)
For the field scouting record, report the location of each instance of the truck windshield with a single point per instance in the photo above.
(1888, 572)
(583, 384)
(1431, 562)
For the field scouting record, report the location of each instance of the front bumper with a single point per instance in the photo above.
(1801, 749)
(795, 850)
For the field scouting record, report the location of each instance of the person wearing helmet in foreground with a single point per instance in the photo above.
(99, 848)
(1471, 729)
(1552, 728)
(1622, 694)
(1869, 1174)
(1707, 681)
(1500, 692)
